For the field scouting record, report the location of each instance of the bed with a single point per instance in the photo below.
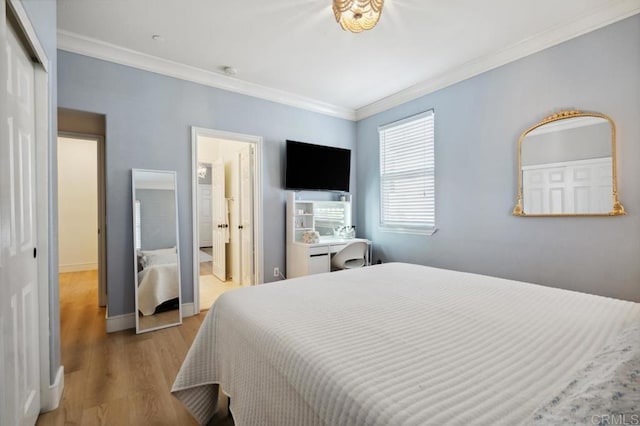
(401, 344)
(157, 279)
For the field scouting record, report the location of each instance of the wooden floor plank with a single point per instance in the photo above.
(116, 412)
(108, 376)
(118, 378)
(77, 325)
(153, 408)
(171, 348)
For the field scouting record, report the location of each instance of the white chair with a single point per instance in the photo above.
(352, 256)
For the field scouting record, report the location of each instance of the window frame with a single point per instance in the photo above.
(429, 169)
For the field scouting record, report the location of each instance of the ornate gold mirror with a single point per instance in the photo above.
(567, 167)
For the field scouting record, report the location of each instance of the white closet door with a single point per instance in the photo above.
(19, 355)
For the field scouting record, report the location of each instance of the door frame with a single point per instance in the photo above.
(258, 258)
(102, 209)
(51, 382)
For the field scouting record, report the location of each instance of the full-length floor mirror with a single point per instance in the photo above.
(156, 252)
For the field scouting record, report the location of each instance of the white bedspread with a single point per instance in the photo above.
(157, 284)
(393, 344)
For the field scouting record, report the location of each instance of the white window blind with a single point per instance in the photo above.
(138, 242)
(407, 174)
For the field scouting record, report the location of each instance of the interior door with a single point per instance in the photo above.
(19, 354)
(220, 220)
(246, 215)
(204, 215)
(569, 187)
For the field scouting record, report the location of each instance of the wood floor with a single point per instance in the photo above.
(211, 287)
(118, 378)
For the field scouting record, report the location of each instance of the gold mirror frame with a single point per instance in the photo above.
(617, 208)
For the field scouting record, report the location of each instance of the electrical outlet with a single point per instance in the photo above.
(276, 271)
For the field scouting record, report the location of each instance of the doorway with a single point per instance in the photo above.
(81, 213)
(227, 213)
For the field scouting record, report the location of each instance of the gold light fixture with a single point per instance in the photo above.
(357, 15)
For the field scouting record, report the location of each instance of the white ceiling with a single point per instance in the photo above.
(294, 48)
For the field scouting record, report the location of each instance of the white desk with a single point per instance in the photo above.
(307, 259)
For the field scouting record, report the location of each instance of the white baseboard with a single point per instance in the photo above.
(128, 321)
(50, 398)
(188, 310)
(121, 322)
(77, 267)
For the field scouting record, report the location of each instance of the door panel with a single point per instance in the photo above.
(29, 357)
(246, 216)
(575, 187)
(319, 264)
(205, 217)
(220, 220)
(18, 267)
(26, 190)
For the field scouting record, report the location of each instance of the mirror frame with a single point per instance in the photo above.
(135, 260)
(616, 210)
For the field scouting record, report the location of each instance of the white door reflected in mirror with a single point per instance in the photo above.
(567, 167)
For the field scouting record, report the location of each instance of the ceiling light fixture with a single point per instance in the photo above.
(357, 15)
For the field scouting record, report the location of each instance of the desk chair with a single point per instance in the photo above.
(352, 256)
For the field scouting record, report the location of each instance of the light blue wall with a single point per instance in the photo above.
(148, 126)
(42, 14)
(478, 122)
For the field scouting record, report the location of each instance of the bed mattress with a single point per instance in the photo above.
(393, 344)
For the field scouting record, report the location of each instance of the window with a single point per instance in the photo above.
(407, 175)
(138, 242)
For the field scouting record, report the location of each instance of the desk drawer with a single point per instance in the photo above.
(318, 261)
(315, 251)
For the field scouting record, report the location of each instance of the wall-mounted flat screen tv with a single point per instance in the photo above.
(317, 167)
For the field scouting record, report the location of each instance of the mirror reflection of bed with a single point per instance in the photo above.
(156, 253)
(158, 295)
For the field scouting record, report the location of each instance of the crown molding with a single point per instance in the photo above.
(612, 12)
(98, 49)
(615, 10)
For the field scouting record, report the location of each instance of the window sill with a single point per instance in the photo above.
(410, 231)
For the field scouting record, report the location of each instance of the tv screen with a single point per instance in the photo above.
(317, 167)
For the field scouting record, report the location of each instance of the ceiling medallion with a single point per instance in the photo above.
(357, 15)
